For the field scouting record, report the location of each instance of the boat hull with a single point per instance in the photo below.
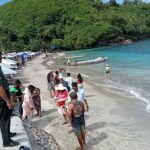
(87, 62)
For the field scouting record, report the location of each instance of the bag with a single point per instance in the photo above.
(78, 109)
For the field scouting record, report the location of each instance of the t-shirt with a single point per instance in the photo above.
(69, 80)
(80, 94)
(107, 68)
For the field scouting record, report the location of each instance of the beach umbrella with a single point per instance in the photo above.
(6, 70)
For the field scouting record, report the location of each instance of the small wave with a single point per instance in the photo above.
(84, 75)
(124, 90)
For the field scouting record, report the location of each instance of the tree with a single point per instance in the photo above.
(136, 2)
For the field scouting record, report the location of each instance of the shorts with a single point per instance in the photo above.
(51, 86)
(107, 71)
(78, 129)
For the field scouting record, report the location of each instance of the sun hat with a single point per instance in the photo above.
(13, 90)
(60, 87)
(73, 94)
(107, 65)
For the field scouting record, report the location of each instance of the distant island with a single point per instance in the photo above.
(78, 24)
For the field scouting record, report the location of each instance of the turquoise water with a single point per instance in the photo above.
(130, 68)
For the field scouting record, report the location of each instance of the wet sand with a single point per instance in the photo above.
(114, 122)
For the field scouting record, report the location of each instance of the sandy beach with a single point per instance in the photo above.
(113, 122)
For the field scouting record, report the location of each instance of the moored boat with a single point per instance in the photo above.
(84, 62)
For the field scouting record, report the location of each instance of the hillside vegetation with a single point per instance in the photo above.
(70, 24)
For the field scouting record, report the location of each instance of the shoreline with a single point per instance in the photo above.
(105, 88)
(112, 43)
(113, 122)
(121, 99)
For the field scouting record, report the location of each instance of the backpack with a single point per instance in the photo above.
(78, 109)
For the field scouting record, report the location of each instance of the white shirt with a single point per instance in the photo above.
(69, 80)
(107, 68)
(80, 94)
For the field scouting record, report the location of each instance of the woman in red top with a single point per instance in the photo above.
(61, 96)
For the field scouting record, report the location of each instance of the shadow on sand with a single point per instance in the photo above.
(96, 125)
(96, 140)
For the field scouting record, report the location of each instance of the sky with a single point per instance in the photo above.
(3, 1)
(119, 1)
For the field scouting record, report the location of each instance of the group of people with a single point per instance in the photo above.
(70, 100)
(16, 100)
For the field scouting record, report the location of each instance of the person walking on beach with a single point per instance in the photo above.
(51, 86)
(69, 80)
(28, 105)
(64, 83)
(107, 68)
(80, 94)
(76, 115)
(80, 81)
(61, 97)
(37, 101)
(6, 106)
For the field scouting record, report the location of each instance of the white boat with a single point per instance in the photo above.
(92, 61)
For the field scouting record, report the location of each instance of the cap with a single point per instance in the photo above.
(73, 94)
(13, 90)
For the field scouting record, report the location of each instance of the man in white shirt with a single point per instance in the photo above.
(69, 80)
(80, 94)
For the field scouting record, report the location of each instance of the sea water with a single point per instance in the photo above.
(130, 69)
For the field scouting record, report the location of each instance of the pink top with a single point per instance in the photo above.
(62, 94)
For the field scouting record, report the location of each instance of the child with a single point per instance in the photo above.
(14, 99)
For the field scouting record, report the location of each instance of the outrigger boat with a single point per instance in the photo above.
(84, 62)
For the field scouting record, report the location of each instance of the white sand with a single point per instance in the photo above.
(113, 122)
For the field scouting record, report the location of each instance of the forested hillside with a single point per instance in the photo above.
(70, 24)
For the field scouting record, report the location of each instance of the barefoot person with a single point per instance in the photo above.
(51, 86)
(69, 80)
(61, 97)
(80, 81)
(37, 101)
(107, 68)
(76, 115)
(28, 105)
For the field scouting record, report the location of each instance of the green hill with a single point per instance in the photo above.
(70, 24)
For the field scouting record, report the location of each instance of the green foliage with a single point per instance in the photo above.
(32, 24)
